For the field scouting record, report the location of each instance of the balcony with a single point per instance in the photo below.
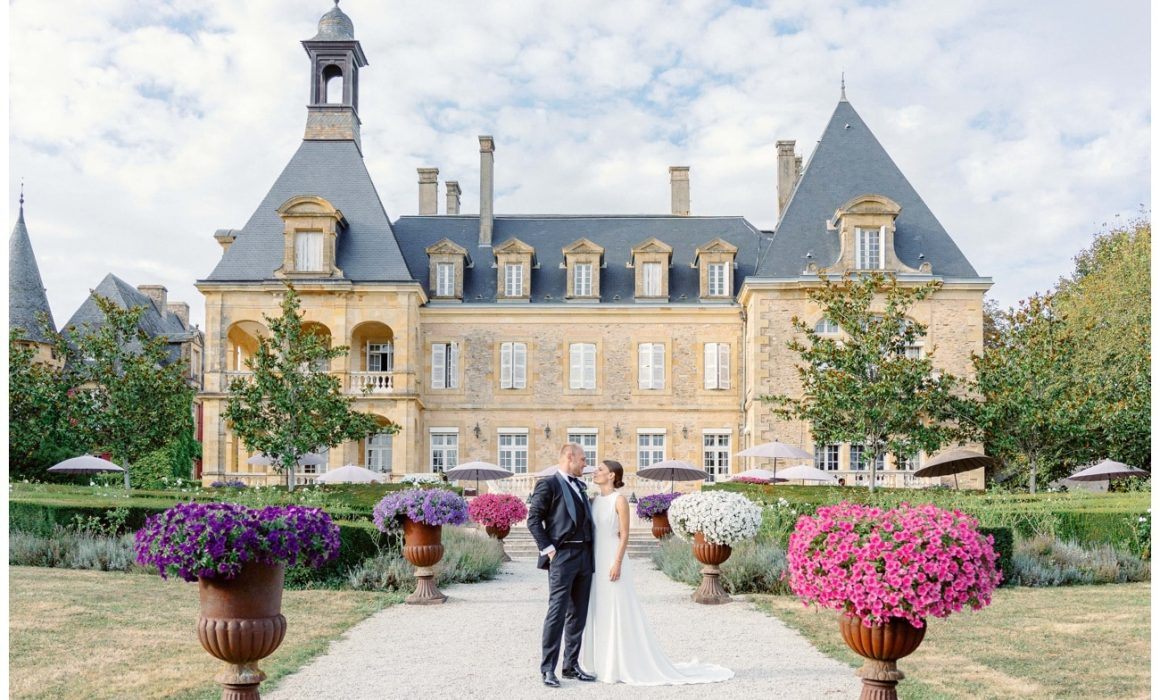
(372, 382)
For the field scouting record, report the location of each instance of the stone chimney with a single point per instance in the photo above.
(789, 170)
(453, 193)
(181, 310)
(157, 293)
(679, 182)
(486, 188)
(428, 191)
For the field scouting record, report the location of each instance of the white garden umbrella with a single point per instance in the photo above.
(776, 450)
(311, 459)
(763, 474)
(351, 474)
(804, 472)
(485, 471)
(260, 460)
(1108, 470)
(672, 470)
(85, 464)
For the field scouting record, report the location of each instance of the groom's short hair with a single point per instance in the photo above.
(569, 447)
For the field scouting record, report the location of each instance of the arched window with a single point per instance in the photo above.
(332, 84)
(826, 327)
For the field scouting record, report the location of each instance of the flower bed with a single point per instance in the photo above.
(909, 562)
(429, 506)
(655, 504)
(498, 510)
(214, 540)
(723, 518)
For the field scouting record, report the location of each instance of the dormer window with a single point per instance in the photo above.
(651, 260)
(447, 261)
(514, 260)
(715, 263)
(865, 228)
(583, 260)
(310, 228)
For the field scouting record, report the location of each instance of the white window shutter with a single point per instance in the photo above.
(882, 247)
(453, 374)
(723, 366)
(438, 368)
(859, 242)
(644, 366)
(589, 366)
(519, 365)
(658, 369)
(711, 366)
(576, 375)
(505, 366)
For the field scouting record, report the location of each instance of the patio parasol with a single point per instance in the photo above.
(260, 460)
(477, 470)
(672, 470)
(87, 464)
(776, 450)
(954, 462)
(1108, 470)
(804, 472)
(351, 474)
(763, 474)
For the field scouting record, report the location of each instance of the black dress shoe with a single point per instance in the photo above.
(578, 674)
(550, 680)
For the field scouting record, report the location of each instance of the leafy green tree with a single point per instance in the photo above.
(865, 387)
(1030, 412)
(291, 405)
(1107, 304)
(126, 397)
(39, 434)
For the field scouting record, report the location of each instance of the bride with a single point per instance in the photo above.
(618, 646)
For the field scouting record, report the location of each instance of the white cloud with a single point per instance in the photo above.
(140, 128)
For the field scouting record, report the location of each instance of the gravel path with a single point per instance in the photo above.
(485, 643)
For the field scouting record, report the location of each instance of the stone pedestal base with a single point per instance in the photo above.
(426, 593)
(710, 591)
(879, 680)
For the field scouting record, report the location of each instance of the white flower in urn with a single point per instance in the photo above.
(722, 517)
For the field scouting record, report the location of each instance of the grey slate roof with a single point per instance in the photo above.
(366, 249)
(26, 296)
(549, 235)
(156, 323)
(849, 162)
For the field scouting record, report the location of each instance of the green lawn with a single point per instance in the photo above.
(1071, 642)
(91, 634)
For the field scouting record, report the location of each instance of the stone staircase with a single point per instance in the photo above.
(520, 545)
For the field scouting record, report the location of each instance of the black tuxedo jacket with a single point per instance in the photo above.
(552, 517)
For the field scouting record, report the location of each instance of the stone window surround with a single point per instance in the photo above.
(446, 251)
(309, 214)
(580, 252)
(514, 252)
(651, 251)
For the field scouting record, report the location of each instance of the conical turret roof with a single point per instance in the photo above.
(26, 295)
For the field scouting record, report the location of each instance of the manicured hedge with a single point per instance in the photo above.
(360, 541)
(1005, 548)
(40, 518)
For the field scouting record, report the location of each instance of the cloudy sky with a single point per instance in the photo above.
(140, 127)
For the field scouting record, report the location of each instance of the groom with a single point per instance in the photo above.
(560, 521)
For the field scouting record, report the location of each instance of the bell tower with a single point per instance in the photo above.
(335, 58)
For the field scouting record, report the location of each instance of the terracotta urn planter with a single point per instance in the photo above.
(660, 526)
(423, 547)
(241, 623)
(499, 533)
(882, 646)
(712, 556)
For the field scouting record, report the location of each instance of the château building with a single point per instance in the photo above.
(496, 337)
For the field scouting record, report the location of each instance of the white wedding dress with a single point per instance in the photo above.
(618, 646)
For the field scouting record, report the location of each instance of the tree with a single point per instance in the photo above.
(39, 434)
(291, 404)
(1029, 411)
(1107, 303)
(866, 388)
(126, 397)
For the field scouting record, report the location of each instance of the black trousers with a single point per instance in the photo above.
(569, 583)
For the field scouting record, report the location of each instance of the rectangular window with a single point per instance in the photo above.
(444, 365)
(582, 280)
(858, 462)
(650, 449)
(907, 464)
(716, 455)
(718, 280)
(826, 457)
(914, 352)
(308, 251)
(513, 452)
(380, 357)
(716, 365)
(651, 366)
(868, 248)
(444, 451)
(513, 279)
(583, 366)
(513, 366)
(585, 438)
(651, 275)
(445, 279)
(379, 452)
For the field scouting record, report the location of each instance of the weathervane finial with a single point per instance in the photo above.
(843, 86)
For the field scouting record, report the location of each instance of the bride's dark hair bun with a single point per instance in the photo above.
(617, 472)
